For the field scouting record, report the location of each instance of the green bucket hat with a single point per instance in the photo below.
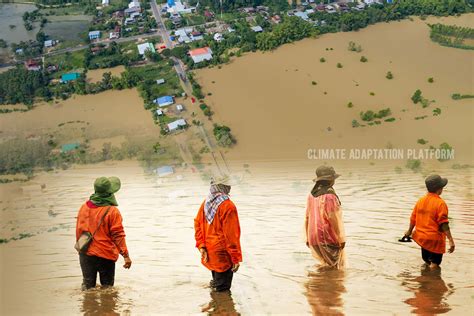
(104, 191)
(325, 173)
(107, 185)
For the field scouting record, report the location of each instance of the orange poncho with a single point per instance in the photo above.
(221, 238)
(109, 239)
(429, 213)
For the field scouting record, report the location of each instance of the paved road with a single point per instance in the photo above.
(217, 156)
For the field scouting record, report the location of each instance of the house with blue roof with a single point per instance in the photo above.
(164, 101)
(70, 77)
(69, 147)
(94, 35)
(164, 171)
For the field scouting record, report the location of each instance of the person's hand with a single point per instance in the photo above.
(408, 234)
(128, 262)
(451, 246)
(204, 256)
(235, 267)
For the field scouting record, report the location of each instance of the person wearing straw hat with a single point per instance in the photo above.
(217, 234)
(100, 219)
(430, 221)
(323, 224)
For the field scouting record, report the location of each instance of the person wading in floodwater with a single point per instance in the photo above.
(430, 221)
(217, 234)
(101, 218)
(324, 227)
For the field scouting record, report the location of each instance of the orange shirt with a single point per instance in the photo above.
(429, 213)
(109, 240)
(221, 238)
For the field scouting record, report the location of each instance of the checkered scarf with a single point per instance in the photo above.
(214, 199)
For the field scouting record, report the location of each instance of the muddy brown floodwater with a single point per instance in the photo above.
(40, 272)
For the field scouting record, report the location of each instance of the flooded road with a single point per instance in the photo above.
(40, 271)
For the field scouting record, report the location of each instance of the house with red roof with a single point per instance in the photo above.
(201, 54)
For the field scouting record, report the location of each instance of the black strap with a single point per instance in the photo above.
(100, 222)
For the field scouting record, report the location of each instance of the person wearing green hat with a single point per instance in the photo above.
(323, 223)
(430, 221)
(100, 219)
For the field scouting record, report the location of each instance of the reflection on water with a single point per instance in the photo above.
(221, 304)
(430, 292)
(324, 289)
(167, 277)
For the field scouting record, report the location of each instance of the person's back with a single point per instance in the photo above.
(429, 213)
(100, 219)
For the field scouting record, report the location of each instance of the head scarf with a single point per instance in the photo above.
(103, 199)
(218, 194)
(322, 187)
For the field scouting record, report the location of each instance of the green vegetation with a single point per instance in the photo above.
(353, 47)
(390, 119)
(413, 164)
(322, 60)
(458, 96)
(314, 83)
(355, 123)
(223, 136)
(421, 117)
(445, 147)
(206, 109)
(436, 112)
(371, 115)
(339, 65)
(3, 43)
(389, 75)
(372, 93)
(363, 59)
(417, 97)
(291, 29)
(422, 141)
(430, 80)
(451, 35)
(350, 105)
(19, 85)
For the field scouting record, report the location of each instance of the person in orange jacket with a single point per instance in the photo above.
(100, 215)
(217, 234)
(430, 221)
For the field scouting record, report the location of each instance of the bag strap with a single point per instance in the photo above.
(100, 222)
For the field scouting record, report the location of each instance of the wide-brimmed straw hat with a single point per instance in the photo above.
(434, 182)
(325, 173)
(225, 180)
(107, 185)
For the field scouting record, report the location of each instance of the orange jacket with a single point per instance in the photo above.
(221, 238)
(429, 213)
(109, 240)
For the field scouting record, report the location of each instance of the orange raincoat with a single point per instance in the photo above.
(429, 213)
(109, 240)
(221, 238)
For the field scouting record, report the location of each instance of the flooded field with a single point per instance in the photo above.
(278, 274)
(11, 14)
(95, 75)
(279, 104)
(68, 27)
(90, 116)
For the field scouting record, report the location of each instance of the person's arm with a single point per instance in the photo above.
(443, 223)
(412, 222)
(117, 234)
(231, 229)
(199, 234)
(306, 221)
(332, 208)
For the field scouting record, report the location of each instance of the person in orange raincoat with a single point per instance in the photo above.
(217, 234)
(430, 221)
(100, 215)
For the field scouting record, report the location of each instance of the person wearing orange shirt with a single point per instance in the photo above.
(100, 215)
(217, 234)
(430, 221)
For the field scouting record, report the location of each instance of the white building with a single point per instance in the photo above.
(159, 112)
(201, 54)
(173, 126)
(179, 107)
(142, 48)
(134, 4)
(105, 3)
(160, 81)
(179, 7)
(218, 37)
